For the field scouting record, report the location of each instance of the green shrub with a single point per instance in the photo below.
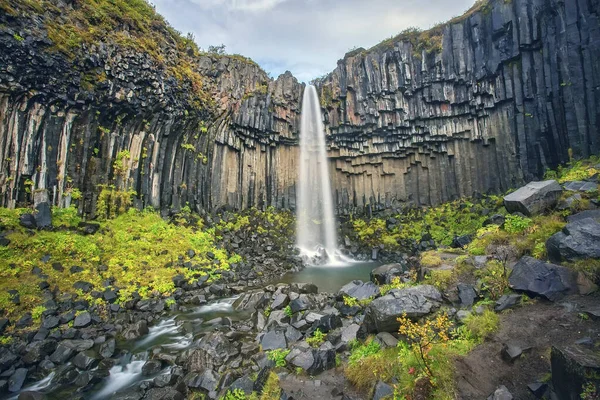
(516, 224)
(317, 338)
(360, 351)
(494, 279)
(482, 326)
(278, 356)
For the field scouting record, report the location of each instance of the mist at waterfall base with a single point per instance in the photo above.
(316, 235)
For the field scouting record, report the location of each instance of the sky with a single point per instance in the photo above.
(306, 37)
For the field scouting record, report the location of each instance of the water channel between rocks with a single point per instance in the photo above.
(177, 332)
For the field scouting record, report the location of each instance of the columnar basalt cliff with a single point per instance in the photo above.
(477, 105)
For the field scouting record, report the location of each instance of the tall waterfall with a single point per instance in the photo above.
(316, 230)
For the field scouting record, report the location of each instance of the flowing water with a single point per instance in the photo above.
(316, 229)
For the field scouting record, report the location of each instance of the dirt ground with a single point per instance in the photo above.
(537, 326)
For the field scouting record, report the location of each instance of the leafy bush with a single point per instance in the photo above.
(482, 326)
(516, 224)
(494, 279)
(278, 356)
(317, 338)
(360, 351)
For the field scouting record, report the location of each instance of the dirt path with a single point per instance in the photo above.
(538, 326)
(328, 385)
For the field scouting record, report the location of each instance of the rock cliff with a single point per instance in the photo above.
(475, 105)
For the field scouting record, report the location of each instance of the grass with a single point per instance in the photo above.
(138, 250)
(482, 326)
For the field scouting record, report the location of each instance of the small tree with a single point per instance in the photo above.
(220, 50)
(422, 336)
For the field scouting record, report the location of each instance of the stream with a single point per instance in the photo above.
(177, 332)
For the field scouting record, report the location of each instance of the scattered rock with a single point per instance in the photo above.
(88, 228)
(43, 217)
(82, 320)
(534, 197)
(382, 314)
(382, 390)
(27, 221)
(151, 367)
(458, 242)
(507, 301)
(538, 389)
(543, 279)
(16, 380)
(578, 240)
(85, 360)
(571, 368)
(273, 340)
(466, 294)
(385, 273)
(136, 330)
(593, 214)
(501, 393)
(511, 352)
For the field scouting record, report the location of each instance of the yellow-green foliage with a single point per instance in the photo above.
(140, 250)
(113, 202)
(278, 224)
(494, 279)
(317, 338)
(590, 268)
(441, 278)
(482, 326)
(443, 222)
(278, 356)
(575, 170)
(369, 366)
(271, 391)
(516, 224)
(397, 283)
(430, 259)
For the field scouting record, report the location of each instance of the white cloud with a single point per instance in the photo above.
(306, 37)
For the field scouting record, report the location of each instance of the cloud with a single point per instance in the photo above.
(306, 37)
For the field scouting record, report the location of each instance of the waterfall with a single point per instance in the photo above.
(316, 230)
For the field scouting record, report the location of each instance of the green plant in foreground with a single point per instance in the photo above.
(516, 224)
(288, 311)
(482, 326)
(37, 312)
(360, 351)
(317, 339)
(494, 279)
(5, 340)
(278, 356)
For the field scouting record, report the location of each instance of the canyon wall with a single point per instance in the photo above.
(490, 100)
(504, 94)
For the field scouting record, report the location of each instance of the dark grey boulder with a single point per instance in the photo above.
(207, 380)
(136, 330)
(466, 295)
(82, 320)
(572, 367)
(212, 351)
(385, 273)
(510, 352)
(578, 240)
(16, 380)
(538, 278)
(580, 186)
(538, 389)
(43, 217)
(7, 358)
(31, 395)
(36, 351)
(501, 393)
(534, 197)
(496, 219)
(280, 301)
(593, 214)
(458, 242)
(360, 290)
(62, 353)
(50, 322)
(300, 304)
(272, 340)
(382, 390)
(151, 367)
(507, 301)
(107, 349)
(327, 323)
(85, 360)
(88, 228)
(27, 221)
(3, 325)
(245, 384)
(382, 314)
(166, 393)
(85, 287)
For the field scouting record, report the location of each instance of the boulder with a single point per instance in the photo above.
(382, 314)
(213, 350)
(82, 320)
(136, 330)
(300, 304)
(27, 221)
(7, 358)
(580, 186)
(207, 380)
(534, 197)
(572, 368)
(507, 301)
(360, 290)
(88, 228)
(382, 391)
(43, 217)
(151, 367)
(458, 242)
(501, 393)
(466, 295)
(273, 340)
(16, 380)
(578, 240)
(593, 214)
(85, 360)
(36, 351)
(539, 278)
(107, 349)
(385, 273)
(166, 393)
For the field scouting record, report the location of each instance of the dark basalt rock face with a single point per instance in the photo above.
(510, 91)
